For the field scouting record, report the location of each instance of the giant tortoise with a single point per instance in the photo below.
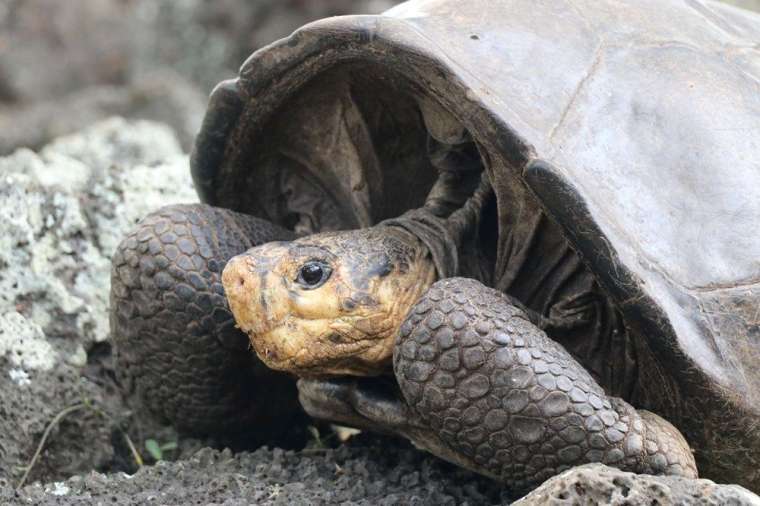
(511, 231)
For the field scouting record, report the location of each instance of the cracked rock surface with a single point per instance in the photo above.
(62, 212)
(599, 484)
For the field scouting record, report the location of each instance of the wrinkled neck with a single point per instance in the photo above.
(432, 233)
(445, 233)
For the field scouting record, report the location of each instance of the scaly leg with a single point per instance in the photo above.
(483, 387)
(514, 403)
(177, 347)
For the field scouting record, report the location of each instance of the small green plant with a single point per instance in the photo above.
(315, 436)
(157, 450)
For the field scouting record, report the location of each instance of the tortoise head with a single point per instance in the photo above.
(331, 303)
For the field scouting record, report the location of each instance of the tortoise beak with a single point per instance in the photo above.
(249, 288)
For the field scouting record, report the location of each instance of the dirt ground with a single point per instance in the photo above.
(368, 470)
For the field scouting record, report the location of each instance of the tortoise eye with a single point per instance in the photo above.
(313, 274)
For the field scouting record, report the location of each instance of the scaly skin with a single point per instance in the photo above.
(512, 402)
(482, 385)
(177, 347)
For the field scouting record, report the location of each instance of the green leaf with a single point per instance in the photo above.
(171, 445)
(313, 431)
(154, 449)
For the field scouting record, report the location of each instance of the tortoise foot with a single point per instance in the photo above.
(365, 403)
(371, 404)
(512, 403)
(177, 347)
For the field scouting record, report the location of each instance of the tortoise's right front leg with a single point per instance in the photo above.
(177, 347)
(511, 403)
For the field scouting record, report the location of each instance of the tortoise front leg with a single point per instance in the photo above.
(177, 347)
(365, 403)
(511, 402)
(371, 404)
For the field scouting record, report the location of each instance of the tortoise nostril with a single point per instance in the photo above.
(236, 278)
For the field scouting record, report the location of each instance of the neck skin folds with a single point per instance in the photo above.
(400, 291)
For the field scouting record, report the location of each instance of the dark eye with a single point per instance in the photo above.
(313, 274)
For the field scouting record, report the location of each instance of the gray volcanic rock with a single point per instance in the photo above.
(64, 210)
(368, 470)
(598, 484)
(50, 48)
(62, 213)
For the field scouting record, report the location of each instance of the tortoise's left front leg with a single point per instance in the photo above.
(510, 402)
(481, 386)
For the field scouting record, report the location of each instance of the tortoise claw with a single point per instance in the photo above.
(370, 404)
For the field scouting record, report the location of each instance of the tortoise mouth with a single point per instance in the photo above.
(306, 364)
